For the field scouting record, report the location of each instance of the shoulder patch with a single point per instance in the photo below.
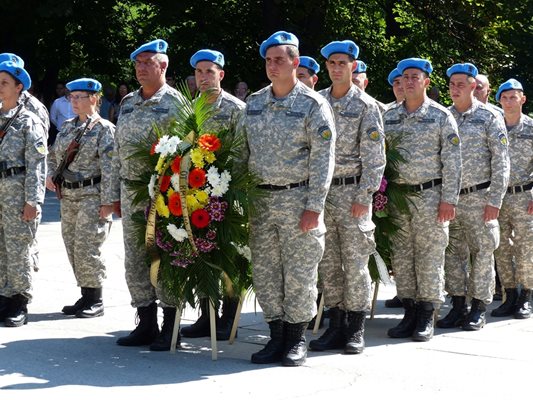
(453, 138)
(373, 134)
(325, 132)
(40, 147)
(503, 139)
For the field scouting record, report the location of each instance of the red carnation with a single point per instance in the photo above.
(197, 178)
(174, 204)
(175, 166)
(165, 183)
(200, 218)
(209, 142)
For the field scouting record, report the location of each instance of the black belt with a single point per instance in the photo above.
(81, 184)
(345, 181)
(520, 188)
(11, 171)
(426, 185)
(284, 187)
(475, 188)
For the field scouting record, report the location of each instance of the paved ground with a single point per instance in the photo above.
(61, 357)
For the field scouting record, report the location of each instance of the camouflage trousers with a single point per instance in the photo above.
(516, 230)
(84, 233)
(471, 239)
(418, 249)
(16, 240)
(349, 243)
(285, 259)
(136, 259)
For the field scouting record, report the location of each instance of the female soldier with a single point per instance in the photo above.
(22, 179)
(80, 172)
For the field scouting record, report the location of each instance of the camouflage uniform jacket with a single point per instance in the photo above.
(227, 111)
(24, 145)
(483, 149)
(291, 140)
(429, 142)
(94, 155)
(36, 107)
(360, 146)
(521, 152)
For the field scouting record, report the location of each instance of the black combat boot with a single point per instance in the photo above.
(295, 352)
(475, 320)
(424, 322)
(94, 306)
(508, 307)
(313, 321)
(523, 305)
(4, 306)
(457, 314)
(79, 305)
(201, 327)
(407, 325)
(163, 341)
(355, 331)
(225, 323)
(395, 302)
(273, 351)
(17, 314)
(147, 330)
(335, 336)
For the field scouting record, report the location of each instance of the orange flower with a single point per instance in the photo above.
(174, 204)
(175, 166)
(197, 178)
(200, 218)
(165, 183)
(209, 142)
(152, 149)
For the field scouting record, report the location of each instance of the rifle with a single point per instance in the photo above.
(71, 152)
(9, 122)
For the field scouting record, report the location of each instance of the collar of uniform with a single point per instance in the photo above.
(288, 100)
(467, 113)
(353, 92)
(420, 112)
(156, 98)
(218, 102)
(520, 126)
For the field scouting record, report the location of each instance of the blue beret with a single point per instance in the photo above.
(207, 55)
(345, 47)
(418, 63)
(277, 39)
(19, 62)
(16, 72)
(511, 84)
(84, 84)
(361, 67)
(393, 75)
(466, 68)
(309, 63)
(155, 46)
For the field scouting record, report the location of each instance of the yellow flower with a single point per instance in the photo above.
(197, 158)
(209, 156)
(192, 203)
(161, 207)
(159, 166)
(202, 197)
(170, 192)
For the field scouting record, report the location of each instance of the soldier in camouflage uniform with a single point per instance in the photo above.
(307, 71)
(516, 214)
(429, 142)
(209, 71)
(86, 198)
(359, 166)
(22, 188)
(154, 103)
(475, 231)
(290, 146)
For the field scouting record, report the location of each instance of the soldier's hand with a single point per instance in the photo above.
(490, 213)
(50, 185)
(359, 210)
(116, 209)
(530, 208)
(309, 220)
(29, 212)
(446, 212)
(105, 211)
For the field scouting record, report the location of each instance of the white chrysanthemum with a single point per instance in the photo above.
(244, 251)
(167, 145)
(161, 145)
(225, 177)
(212, 176)
(173, 143)
(151, 186)
(179, 234)
(217, 191)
